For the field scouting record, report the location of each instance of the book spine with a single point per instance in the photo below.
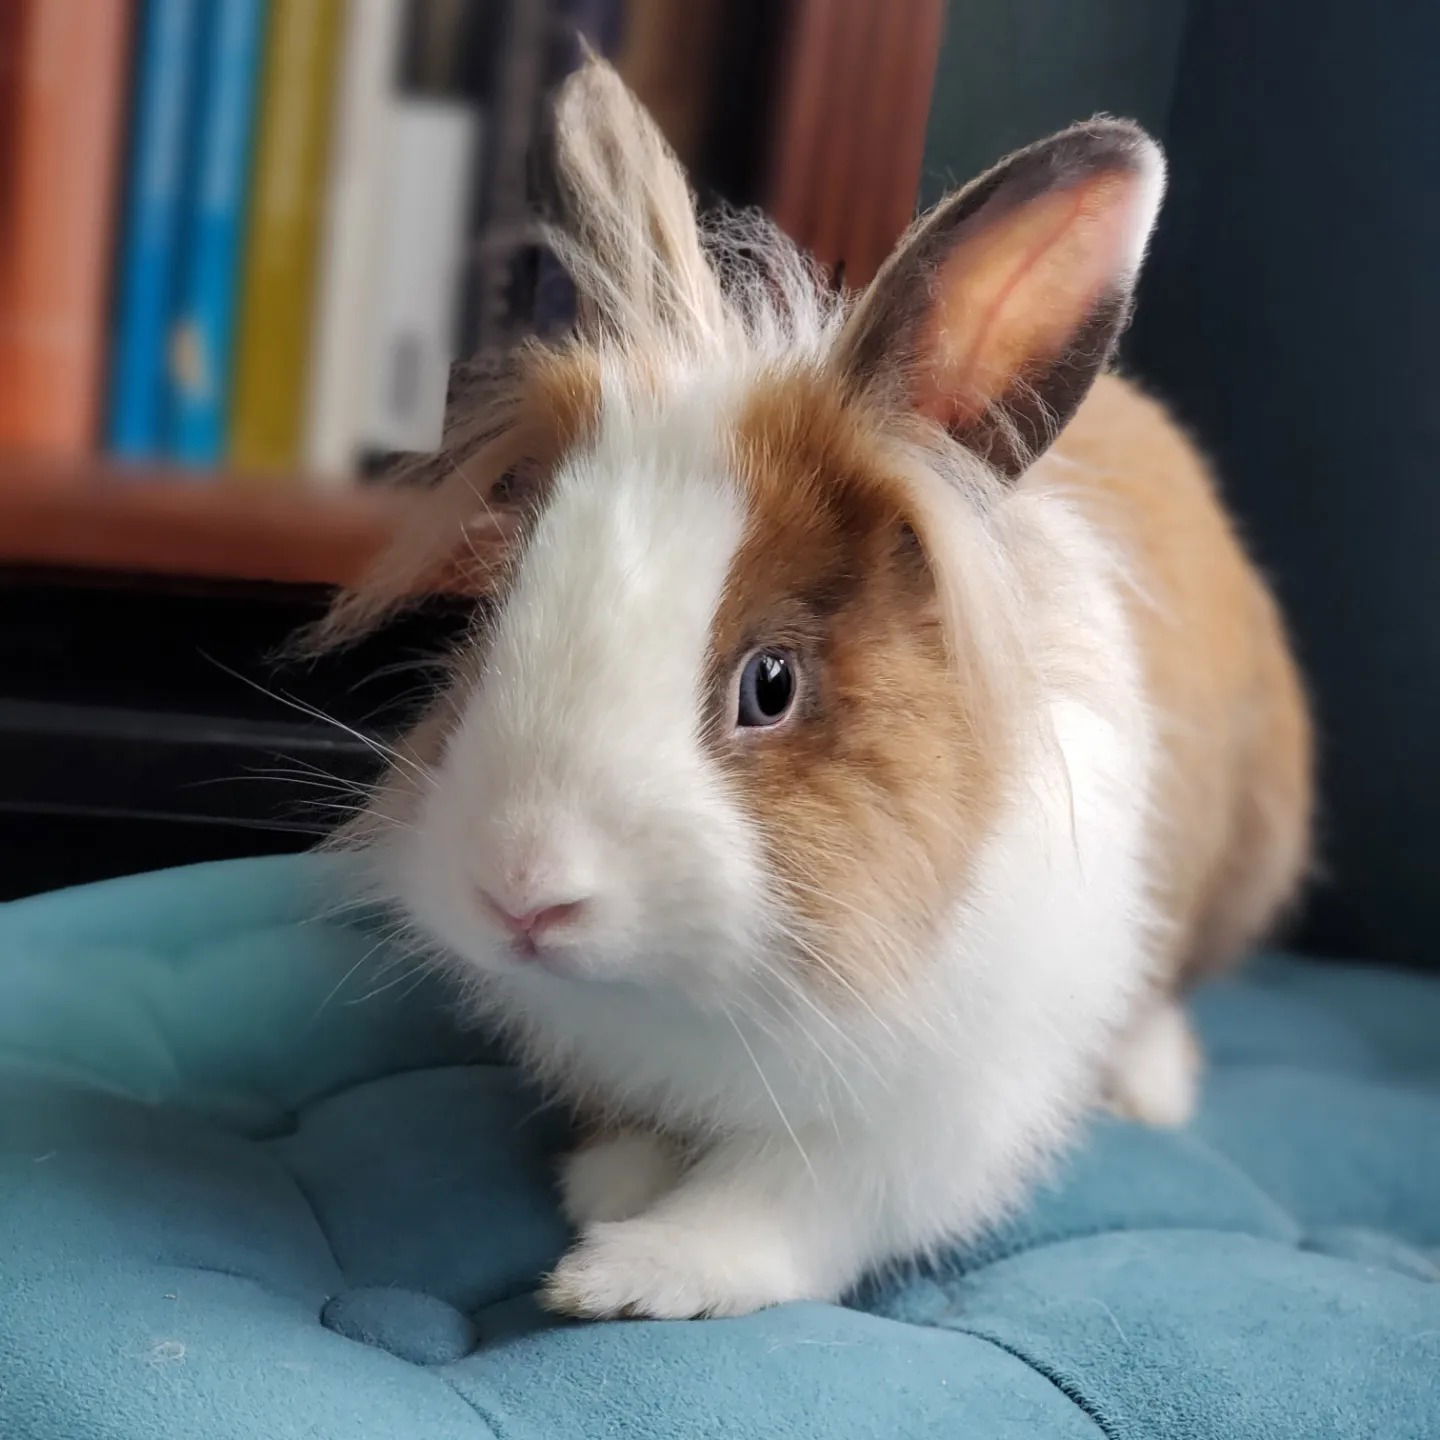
(349, 250)
(202, 332)
(434, 135)
(70, 60)
(431, 166)
(277, 302)
(164, 74)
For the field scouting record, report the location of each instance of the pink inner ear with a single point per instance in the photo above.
(1013, 293)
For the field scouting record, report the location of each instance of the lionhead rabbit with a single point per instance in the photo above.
(875, 726)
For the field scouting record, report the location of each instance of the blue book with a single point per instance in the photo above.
(166, 62)
(202, 336)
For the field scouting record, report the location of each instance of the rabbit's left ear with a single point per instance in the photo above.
(628, 231)
(1000, 307)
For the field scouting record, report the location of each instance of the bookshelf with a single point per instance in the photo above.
(850, 111)
(83, 515)
(829, 140)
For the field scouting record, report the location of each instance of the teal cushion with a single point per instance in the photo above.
(254, 1183)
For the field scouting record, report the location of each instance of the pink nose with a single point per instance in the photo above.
(529, 925)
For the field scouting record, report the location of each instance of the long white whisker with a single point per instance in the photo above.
(388, 938)
(416, 974)
(774, 1098)
(378, 747)
(835, 1068)
(834, 973)
(797, 992)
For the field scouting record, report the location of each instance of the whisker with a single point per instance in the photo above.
(774, 1098)
(821, 1052)
(378, 747)
(834, 973)
(416, 974)
(386, 940)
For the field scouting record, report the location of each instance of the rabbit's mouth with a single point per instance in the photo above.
(530, 952)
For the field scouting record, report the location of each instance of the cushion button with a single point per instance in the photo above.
(420, 1328)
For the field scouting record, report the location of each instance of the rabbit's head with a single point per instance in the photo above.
(746, 700)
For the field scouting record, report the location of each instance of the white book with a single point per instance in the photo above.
(350, 249)
(434, 145)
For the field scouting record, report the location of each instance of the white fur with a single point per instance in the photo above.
(617, 1177)
(998, 1058)
(991, 1065)
(575, 768)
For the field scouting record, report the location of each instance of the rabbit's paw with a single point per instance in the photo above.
(667, 1270)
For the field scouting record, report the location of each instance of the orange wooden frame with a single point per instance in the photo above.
(853, 105)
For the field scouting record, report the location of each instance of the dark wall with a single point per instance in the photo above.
(1290, 313)
(1013, 71)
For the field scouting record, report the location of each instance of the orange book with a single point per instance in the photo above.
(65, 76)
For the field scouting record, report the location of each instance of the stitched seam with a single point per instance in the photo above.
(314, 1210)
(1076, 1399)
(483, 1416)
(965, 1267)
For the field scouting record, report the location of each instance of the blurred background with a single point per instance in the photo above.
(249, 247)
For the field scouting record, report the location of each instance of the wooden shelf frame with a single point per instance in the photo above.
(852, 109)
(92, 515)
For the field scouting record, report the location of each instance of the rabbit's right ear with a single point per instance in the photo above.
(998, 310)
(628, 231)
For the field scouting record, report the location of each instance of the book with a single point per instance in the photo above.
(68, 67)
(201, 343)
(349, 249)
(166, 60)
(277, 293)
(434, 136)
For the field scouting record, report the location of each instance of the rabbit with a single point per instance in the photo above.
(873, 730)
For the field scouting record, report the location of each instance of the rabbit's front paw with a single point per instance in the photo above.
(668, 1270)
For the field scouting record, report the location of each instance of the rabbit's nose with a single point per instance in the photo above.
(529, 923)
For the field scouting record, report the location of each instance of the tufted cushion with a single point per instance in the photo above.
(253, 1183)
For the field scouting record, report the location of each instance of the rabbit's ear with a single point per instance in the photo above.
(628, 231)
(997, 311)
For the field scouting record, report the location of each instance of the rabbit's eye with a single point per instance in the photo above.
(767, 688)
(510, 488)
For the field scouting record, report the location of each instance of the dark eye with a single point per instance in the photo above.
(767, 688)
(509, 488)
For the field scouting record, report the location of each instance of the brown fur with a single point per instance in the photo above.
(888, 758)
(882, 759)
(1233, 802)
(997, 310)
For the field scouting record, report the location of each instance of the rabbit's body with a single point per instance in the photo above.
(1231, 826)
(840, 793)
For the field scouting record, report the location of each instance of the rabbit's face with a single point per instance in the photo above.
(712, 739)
